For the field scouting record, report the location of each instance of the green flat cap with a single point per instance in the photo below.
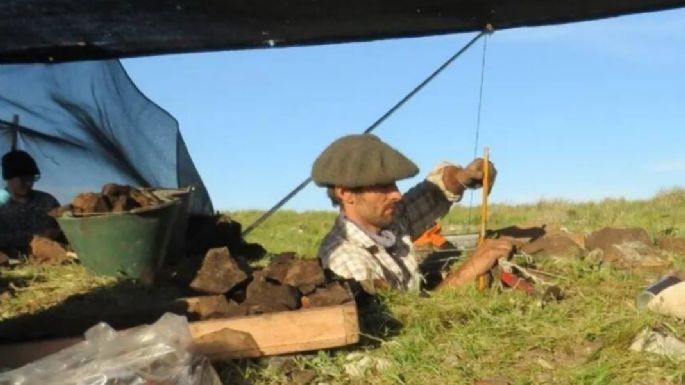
(360, 161)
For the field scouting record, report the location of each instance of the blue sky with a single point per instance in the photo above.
(578, 111)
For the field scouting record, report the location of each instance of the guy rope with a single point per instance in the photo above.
(488, 30)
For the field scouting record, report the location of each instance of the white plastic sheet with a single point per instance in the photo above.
(158, 354)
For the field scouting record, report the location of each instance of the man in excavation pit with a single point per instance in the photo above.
(371, 240)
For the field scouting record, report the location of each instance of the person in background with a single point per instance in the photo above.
(23, 210)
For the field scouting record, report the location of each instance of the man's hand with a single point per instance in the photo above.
(472, 175)
(458, 179)
(481, 261)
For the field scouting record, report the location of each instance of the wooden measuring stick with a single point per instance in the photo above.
(482, 280)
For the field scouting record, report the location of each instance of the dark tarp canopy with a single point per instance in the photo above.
(58, 30)
(87, 124)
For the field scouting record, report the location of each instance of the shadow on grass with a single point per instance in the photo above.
(122, 305)
(7, 284)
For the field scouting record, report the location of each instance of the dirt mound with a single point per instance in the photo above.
(673, 245)
(627, 248)
(558, 245)
(607, 237)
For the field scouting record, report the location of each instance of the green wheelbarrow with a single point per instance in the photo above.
(131, 244)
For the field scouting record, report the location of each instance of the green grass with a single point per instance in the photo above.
(288, 230)
(664, 214)
(458, 336)
(37, 287)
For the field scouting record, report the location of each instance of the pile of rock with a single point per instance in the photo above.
(230, 288)
(113, 198)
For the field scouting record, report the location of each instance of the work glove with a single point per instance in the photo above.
(457, 179)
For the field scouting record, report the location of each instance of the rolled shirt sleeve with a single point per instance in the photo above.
(425, 203)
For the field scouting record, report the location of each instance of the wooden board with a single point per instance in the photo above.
(252, 336)
(277, 333)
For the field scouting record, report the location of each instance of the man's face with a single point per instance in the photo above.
(372, 207)
(20, 186)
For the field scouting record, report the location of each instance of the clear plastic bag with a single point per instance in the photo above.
(157, 354)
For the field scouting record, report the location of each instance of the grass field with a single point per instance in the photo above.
(459, 336)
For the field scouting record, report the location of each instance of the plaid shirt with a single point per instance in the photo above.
(350, 253)
(19, 222)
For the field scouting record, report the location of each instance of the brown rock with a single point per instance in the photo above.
(60, 211)
(219, 273)
(265, 296)
(123, 203)
(4, 259)
(87, 203)
(213, 306)
(305, 275)
(236, 310)
(673, 245)
(46, 251)
(114, 190)
(143, 200)
(608, 236)
(279, 266)
(331, 295)
(636, 254)
(579, 239)
(626, 248)
(554, 245)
